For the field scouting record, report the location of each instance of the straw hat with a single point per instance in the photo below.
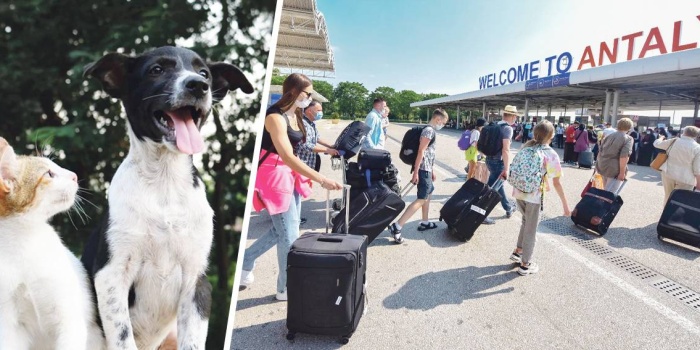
(511, 110)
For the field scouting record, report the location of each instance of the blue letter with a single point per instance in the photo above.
(512, 80)
(501, 77)
(522, 72)
(534, 69)
(568, 62)
(482, 82)
(549, 64)
(490, 81)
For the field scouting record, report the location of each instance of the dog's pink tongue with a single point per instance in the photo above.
(188, 138)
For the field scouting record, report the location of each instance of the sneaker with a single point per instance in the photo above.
(282, 296)
(247, 278)
(516, 257)
(529, 269)
(509, 213)
(396, 233)
(489, 221)
(302, 221)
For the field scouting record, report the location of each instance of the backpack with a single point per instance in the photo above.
(592, 137)
(465, 141)
(491, 140)
(410, 143)
(527, 170)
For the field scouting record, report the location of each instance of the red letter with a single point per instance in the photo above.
(630, 46)
(612, 56)
(677, 46)
(656, 35)
(587, 57)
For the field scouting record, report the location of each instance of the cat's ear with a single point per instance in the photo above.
(8, 165)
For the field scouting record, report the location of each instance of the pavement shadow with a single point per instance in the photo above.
(272, 335)
(642, 238)
(645, 174)
(253, 302)
(451, 287)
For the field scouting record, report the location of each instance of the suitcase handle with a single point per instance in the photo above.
(404, 191)
(498, 184)
(330, 239)
(346, 188)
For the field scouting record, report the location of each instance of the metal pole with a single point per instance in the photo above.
(616, 103)
(483, 112)
(549, 111)
(527, 109)
(457, 124)
(582, 110)
(606, 107)
(695, 113)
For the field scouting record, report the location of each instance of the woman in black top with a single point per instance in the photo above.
(279, 173)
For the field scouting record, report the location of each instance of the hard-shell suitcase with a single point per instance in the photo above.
(371, 211)
(350, 139)
(466, 210)
(373, 159)
(597, 209)
(680, 220)
(326, 283)
(585, 159)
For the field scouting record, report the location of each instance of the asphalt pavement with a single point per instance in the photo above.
(624, 290)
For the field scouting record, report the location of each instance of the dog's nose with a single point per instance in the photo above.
(197, 87)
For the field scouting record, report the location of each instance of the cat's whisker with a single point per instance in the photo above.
(82, 199)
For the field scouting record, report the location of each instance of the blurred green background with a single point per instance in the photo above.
(48, 108)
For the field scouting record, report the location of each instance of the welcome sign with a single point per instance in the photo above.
(554, 70)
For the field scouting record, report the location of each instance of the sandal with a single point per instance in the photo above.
(428, 226)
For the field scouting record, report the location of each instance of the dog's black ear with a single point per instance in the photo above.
(227, 77)
(111, 71)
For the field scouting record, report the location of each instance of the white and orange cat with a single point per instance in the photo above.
(45, 300)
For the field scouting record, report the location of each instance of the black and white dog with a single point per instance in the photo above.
(149, 259)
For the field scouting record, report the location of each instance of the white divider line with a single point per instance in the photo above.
(650, 301)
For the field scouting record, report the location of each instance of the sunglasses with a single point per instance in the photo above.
(308, 94)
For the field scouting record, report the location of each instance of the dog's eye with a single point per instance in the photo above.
(204, 73)
(50, 174)
(156, 70)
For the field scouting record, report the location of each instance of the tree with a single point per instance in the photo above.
(404, 99)
(44, 45)
(326, 89)
(351, 97)
(385, 92)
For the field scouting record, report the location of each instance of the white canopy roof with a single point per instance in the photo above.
(672, 80)
(302, 43)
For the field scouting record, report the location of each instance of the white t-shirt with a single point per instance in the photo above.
(609, 131)
(474, 137)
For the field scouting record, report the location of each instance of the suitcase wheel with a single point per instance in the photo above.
(344, 340)
(291, 336)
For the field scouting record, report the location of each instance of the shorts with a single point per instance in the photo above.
(425, 184)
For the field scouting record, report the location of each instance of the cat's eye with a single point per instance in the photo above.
(51, 174)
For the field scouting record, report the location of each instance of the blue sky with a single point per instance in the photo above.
(444, 46)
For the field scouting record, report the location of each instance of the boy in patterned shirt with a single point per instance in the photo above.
(423, 175)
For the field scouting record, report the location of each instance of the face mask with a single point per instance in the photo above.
(319, 115)
(438, 127)
(303, 104)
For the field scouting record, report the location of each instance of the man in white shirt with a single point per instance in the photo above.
(682, 167)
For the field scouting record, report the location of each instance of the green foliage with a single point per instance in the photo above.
(277, 79)
(46, 102)
(326, 89)
(351, 97)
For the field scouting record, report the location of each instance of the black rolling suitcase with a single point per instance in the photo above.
(680, 220)
(371, 211)
(326, 284)
(466, 210)
(350, 140)
(585, 159)
(373, 159)
(597, 209)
